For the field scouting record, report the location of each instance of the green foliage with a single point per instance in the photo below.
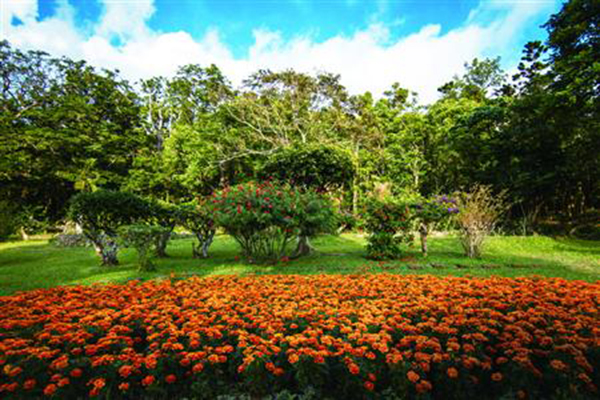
(318, 167)
(9, 220)
(66, 127)
(388, 222)
(141, 237)
(480, 78)
(197, 217)
(264, 217)
(101, 213)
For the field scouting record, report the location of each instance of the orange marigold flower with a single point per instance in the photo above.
(171, 378)
(424, 386)
(63, 382)
(29, 384)
(125, 371)
(124, 386)
(413, 376)
(354, 369)
(50, 389)
(98, 383)
(369, 386)
(452, 372)
(76, 373)
(372, 377)
(10, 387)
(521, 395)
(148, 380)
(497, 376)
(584, 377)
(558, 365)
(197, 368)
(293, 358)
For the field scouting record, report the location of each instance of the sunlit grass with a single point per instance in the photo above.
(36, 264)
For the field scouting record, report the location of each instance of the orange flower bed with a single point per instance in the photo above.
(366, 336)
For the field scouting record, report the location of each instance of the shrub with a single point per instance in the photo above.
(141, 237)
(337, 337)
(101, 213)
(197, 218)
(430, 212)
(479, 213)
(315, 215)
(264, 218)
(388, 222)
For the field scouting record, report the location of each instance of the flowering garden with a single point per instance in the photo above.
(367, 336)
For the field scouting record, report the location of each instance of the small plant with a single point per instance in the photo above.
(388, 221)
(479, 213)
(431, 212)
(197, 218)
(141, 238)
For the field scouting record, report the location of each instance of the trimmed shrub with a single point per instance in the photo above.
(317, 167)
(388, 222)
(141, 237)
(101, 213)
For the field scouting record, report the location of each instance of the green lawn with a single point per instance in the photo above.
(35, 264)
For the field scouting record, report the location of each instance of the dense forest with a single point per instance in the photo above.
(67, 127)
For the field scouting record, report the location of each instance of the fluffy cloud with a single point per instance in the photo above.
(366, 60)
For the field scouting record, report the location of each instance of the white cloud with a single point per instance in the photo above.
(366, 60)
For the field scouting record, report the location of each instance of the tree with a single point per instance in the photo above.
(65, 127)
(318, 167)
(101, 213)
(481, 78)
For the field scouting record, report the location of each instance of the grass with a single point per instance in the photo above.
(37, 264)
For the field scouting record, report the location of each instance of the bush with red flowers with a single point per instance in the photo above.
(264, 218)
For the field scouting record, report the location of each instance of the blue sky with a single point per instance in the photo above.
(371, 44)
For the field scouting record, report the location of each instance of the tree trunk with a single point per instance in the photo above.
(24, 234)
(161, 244)
(304, 248)
(107, 249)
(204, 242)
(424, 231)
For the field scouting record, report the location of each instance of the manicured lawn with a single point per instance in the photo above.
(36, 264)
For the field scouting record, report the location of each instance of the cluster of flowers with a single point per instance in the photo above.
(342, 336)
(436, 208)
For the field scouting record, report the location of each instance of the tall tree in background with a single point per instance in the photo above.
(65, 127)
